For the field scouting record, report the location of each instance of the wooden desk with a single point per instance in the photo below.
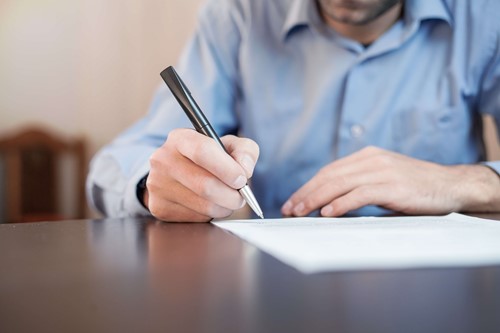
(140, 275)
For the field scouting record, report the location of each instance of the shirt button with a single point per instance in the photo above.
(357, 131)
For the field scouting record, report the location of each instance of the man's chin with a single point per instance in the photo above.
(350, 20)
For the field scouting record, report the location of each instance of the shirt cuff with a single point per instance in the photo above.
(493, 165)
(131, 203)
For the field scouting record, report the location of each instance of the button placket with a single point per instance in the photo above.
(357, 131)
(352, 130)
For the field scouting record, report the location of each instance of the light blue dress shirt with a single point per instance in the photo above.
(273, 72)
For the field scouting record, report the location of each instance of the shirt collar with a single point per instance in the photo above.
(418, 11)
(300, 13)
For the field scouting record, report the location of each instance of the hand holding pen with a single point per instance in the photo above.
(193, 179)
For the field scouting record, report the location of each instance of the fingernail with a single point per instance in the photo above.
(287, 208)
(243, 203)
(299, 209)
(327, 211)
(248, 163)
(240, 182)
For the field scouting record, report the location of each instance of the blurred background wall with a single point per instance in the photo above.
(86, 67)
(89, 67)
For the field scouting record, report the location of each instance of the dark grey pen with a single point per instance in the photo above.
(201, 124)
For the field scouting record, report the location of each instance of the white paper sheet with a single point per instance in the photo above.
(314, 245)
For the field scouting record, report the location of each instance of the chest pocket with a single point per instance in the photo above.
(440, 134)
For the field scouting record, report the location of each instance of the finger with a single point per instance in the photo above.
(337, 187)
(340, 173)
(200, 183)
(343, 166)
(358, 156)
(244, 151)
(380, 195)
(205, 152)
(173, 212)
(181, 196)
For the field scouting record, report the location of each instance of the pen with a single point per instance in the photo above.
(201, 124)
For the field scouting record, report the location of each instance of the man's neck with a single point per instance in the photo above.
(367, 33)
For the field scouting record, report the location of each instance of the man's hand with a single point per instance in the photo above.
(193, 179)
(374, 176)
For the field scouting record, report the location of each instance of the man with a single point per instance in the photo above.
(357, 106)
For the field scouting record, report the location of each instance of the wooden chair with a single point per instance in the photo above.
(32, 175)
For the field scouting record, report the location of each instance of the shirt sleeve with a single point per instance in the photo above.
(208, 66)
(489, 102)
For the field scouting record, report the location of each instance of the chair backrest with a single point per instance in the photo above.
(33, 175)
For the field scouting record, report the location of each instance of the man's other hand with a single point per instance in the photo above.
(374, 176)
(193, 179)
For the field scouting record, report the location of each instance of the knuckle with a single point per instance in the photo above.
(176, 138)
(309, 203)
(154, 159)
(383, 160)
(152, 184)
(161, 158)
(203, 186)
(341, 182)
(171, 137)
(364, 194)
(200, 149)
(174, 134)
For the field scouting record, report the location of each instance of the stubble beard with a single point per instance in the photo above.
(354, 12)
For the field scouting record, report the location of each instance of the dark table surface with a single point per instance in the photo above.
(141, 275)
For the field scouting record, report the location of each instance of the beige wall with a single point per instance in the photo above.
(90, 67)
(86, 67)
(492, 145)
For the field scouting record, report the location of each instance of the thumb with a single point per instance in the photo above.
(243, 150)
